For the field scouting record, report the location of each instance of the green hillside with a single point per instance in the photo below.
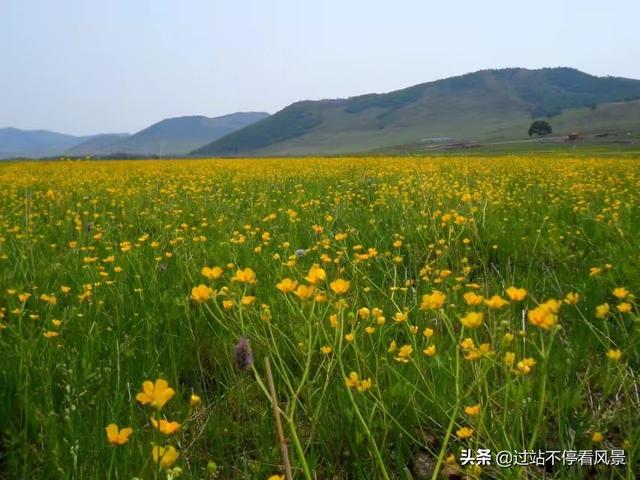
(490, 105)
(173, 136)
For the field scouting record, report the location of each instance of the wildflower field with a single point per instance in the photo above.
(410, 308)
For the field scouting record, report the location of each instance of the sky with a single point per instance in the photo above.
(86, 66)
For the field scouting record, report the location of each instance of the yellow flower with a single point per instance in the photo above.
(211, 273)
(392, 347)
(473, 298)
(365, 385)
(404, 354)
(464, 432)
(316, 274)
(597, 437)
(350, 337)
(516, 294)
(593, 271)
(433, 301)
(467, 343)
(509, 358)
(552, 305)
(430, 351)
(572, 298)
(352, 380)
(51, 334)
(624, 307)
(472, 319)
(620, 292)
(305, 291)
(614, 354)
(165, 456)
(472, 410)
(525, 365)
(117, 436)
(287, 285)
(155, 395)
(340, 286)
(247, 299)
(164, 426)
(228, 304)
(276, 477)
(321, 297)
(201, 293)
(542, 316)
(602, 310)
(363, 313)
(326, 349)
(194, 400)
(496, 302)
(244, 276)
(370, 330)
(400, 317)
(428, 332)
(23, 297)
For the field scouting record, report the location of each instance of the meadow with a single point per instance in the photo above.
(410, 308)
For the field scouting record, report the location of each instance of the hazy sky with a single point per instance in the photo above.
(87, 66)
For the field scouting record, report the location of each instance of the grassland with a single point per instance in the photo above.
(409, 307)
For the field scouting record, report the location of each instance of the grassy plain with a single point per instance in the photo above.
(410, 308)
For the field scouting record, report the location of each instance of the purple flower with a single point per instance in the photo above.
(243, 354)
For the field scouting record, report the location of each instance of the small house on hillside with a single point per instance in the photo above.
(573, 136)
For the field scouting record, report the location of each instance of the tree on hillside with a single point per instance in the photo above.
(539, 127)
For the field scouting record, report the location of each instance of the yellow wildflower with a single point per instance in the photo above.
(473, 298)
(117, 436)
(156, 395)
(496, 302)
(211, 273)
(201, 293)
(164, 426)
(614, 354)
(472, 319)
(246, 275)
(602, 310)
(316, 274)
(472, 410)
(287, 285)
(165, 456)
(516, 294)
(340, 286)
(433, 301)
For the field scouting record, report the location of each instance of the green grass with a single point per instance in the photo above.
(137, 234)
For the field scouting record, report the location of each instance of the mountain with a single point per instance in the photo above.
(95, 144)
(35, 143)
(480, 106)
(175, 136)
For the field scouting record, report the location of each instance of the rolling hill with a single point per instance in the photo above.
(95, 144)
(35, 143)
(172, 136)
(488, 105)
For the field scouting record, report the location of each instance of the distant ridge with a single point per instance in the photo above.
(178, 136)
(488, 104)
(95, 144)
(35, 143)
(171, 137)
